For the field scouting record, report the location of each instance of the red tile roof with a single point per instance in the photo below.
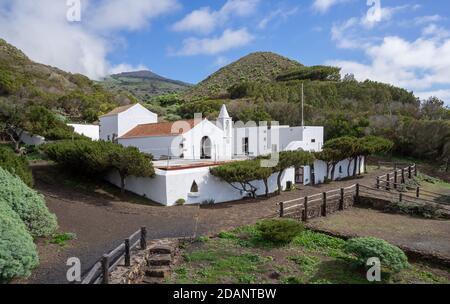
(161, 129)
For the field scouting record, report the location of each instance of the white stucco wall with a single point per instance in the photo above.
(133, 117)
(259, 140)
(91, 131)
(121, 123)
(169, 186)
(221, 146)
(320, 170)
(108, 127)
(158, 146)
(32, 140)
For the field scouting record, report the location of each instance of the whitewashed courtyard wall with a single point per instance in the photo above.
(90, 131)
(169, 186)
(31, 140)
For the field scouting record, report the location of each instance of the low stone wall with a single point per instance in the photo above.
(150, 266)
(374, 203)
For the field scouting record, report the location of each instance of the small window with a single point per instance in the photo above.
(313, 140)
(194, 188)
(340, 170)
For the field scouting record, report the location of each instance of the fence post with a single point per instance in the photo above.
(143, 238)
(305, 214)
(401, 197)
(415, 170)
(418, 192)
(127, 253)
(357, 194)
(105, 269)
(403, 176)
(409, 172)
(388, 181)
(395, 179)
(324, 206)
(378, 183)
(281, 209)
(341, 202)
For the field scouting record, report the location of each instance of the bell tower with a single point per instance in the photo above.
(225, 122)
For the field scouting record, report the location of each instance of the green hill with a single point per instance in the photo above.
(26, 83)
(144, 84)
(257, 67)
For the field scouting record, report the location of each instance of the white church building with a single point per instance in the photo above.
(184, 152)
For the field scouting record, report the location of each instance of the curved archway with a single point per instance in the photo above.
(206, 148)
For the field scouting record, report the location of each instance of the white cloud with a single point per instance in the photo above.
(229, 39)
(323, 6)
(205, 20)
(441, 94)
(279, 14)
(123, 68)
(41, 30)
(347, 34)
(428, 19)
(221, 61)
(409, 64)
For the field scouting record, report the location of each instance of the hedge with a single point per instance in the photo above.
(28, 204)
(17, 165)
(18, 254)
(365, 248)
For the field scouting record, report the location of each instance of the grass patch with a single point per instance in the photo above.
(63, 238)
(241, 256)
(321, 243)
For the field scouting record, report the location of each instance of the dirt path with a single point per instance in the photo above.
(423, 235)
(101, 220)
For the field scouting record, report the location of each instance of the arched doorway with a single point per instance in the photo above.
(206, 148)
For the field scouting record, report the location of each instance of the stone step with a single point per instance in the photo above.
(157, 272)
(152, 281)
(161, 249)
(160, 260)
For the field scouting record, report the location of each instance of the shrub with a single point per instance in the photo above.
(279, 231)
(17, 165)
(18, 255)
(390, 256)
(208, 202)
(180, 202)
(423, 210)
(28, 204)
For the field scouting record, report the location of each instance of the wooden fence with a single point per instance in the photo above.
(322, 204)
(101, 270)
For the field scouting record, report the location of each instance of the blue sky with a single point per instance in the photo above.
(406, 43)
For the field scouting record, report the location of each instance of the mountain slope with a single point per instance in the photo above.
(255, 67)
(144, 84)
(24, 82)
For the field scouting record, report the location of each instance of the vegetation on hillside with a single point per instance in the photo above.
(143, 84)
(254, 90)
(24, 83)
(16, 165)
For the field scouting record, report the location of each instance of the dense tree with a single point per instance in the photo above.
(290, 159)
(97, 158)
(323, 73)
(241, 174)
(434, 109)
(130, 162)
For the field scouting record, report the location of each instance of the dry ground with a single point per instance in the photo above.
(424, 235)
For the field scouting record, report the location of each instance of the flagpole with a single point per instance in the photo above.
(303, 107)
